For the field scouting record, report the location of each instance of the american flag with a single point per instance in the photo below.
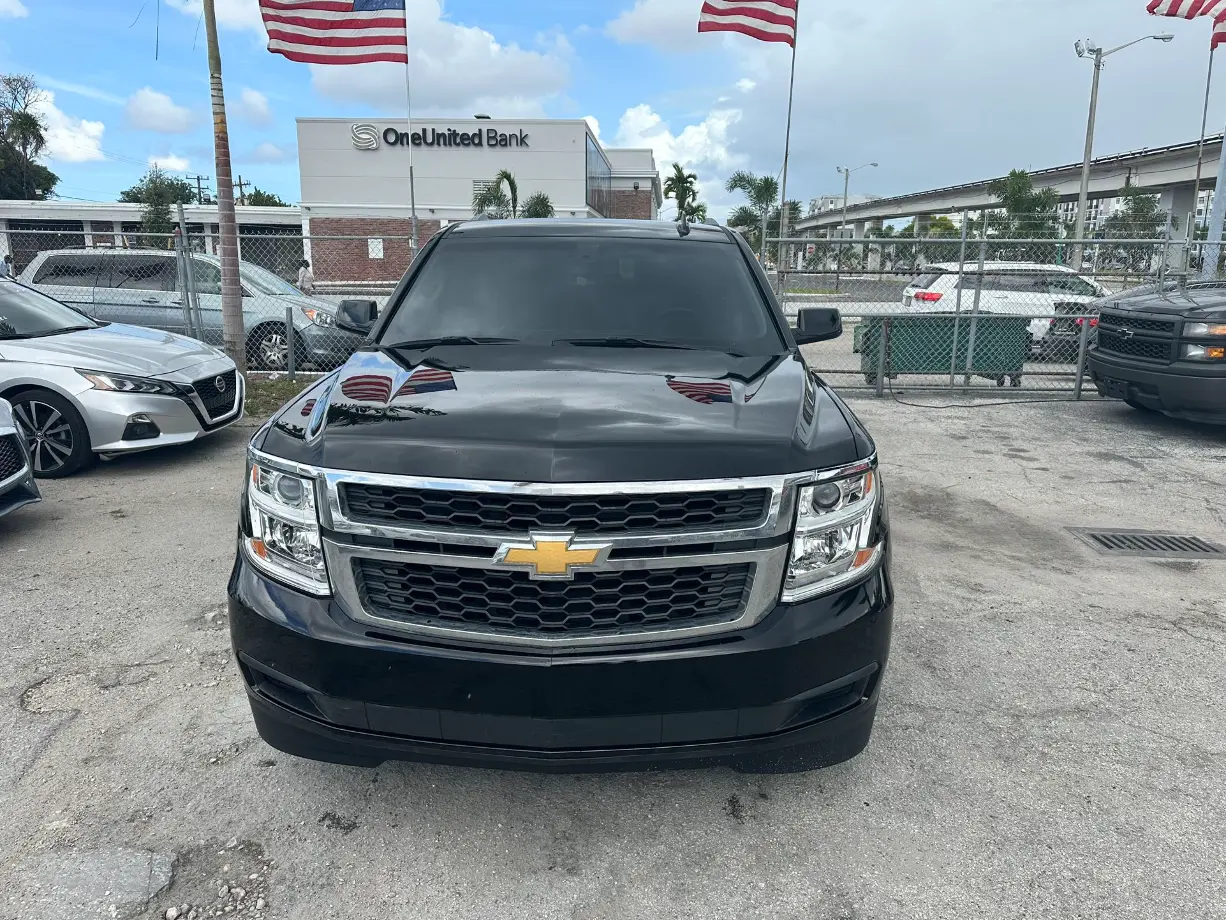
(336, 31)
(427, 380)
(1191, 9)
(368, 387)
(765, 20)
(705, 393)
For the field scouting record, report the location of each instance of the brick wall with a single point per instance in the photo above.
(349, 259)
(630, 204)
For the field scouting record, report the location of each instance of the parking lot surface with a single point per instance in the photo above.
(1051, 740)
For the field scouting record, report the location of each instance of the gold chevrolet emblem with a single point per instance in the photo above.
(552, 556)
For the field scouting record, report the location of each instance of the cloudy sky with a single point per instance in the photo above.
(937, 91)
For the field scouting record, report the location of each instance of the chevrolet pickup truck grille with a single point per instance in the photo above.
(511, 603)
(1134, 347)
(583, 514)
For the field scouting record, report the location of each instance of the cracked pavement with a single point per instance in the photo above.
(1050, 742)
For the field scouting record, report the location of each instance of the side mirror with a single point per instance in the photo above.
(356, 315)
(817, 324)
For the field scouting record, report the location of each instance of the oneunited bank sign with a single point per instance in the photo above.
(369, 137)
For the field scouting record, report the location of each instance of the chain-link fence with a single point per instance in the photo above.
(291, 285)
(926, 314)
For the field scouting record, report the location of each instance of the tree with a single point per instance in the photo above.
(698, 211)
(683, 187)
(157, 192)
(501, 203)
(22, 140)
(1028, 214)
(1138, 217)
(262, 199)
(158, 185)
(538, 205)
(763, 194)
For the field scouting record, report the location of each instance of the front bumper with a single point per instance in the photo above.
(18, 490)
(179, 420)
(1181, 390)
(796, 690)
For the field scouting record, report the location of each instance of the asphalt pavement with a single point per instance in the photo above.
(1051, 741)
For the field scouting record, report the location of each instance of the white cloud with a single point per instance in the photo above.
(593, 124)
(252, 105)
(745, 84)
(13, 9)
(170, 163)
(663, 24)
(268, 153)
(457, 70)
(150, 110)
(89, 92)
(69, 139)
(703, 148)
(231, 14)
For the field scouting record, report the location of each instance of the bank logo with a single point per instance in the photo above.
(365, 137)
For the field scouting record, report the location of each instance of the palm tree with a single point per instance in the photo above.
(684, 187)
(763, 193)
(492, 201)
(698, 211)
(538, 205)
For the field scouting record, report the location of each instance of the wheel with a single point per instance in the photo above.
(55, 433)
(870, 379)
(1000, 381)
(267, 349)
(1015, 380)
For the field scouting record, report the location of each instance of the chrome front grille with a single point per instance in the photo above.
(592, 604)
(429, 557)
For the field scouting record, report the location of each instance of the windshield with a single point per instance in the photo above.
(551, 290)
(266, 282)
(26, 314)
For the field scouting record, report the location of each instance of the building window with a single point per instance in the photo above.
(599, 180)
(374, 249)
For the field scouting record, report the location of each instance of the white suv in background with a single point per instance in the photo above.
(1041, 292)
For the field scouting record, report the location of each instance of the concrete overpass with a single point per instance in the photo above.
(1166, 171)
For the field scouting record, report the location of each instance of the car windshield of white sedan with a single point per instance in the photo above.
(27, 314)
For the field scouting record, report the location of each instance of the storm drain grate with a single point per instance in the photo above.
(1148, 543)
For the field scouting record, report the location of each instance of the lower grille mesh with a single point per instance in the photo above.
(511, 603)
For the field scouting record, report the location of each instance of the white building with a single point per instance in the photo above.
(355, 181)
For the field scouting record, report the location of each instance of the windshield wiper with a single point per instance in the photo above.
(452, 340)
(40, 335)
(629, 341)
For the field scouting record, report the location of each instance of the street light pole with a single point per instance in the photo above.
(1083, 196)
(843, 224)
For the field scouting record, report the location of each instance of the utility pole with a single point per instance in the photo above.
(242, 194)
(199, 180)
(234, 334)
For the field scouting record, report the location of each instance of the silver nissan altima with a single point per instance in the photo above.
(82, 388)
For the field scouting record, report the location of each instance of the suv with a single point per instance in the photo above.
(1163, 348)
(144, 287)
(1042, 292)
(578, 503)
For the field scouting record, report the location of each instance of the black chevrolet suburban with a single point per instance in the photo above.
(1163, 348)
(578, 503)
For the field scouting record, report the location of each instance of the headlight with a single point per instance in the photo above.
(834, 525)
(1204, 352)
(284, 539)
(319, 317)
(117, 384)
(1191, 329)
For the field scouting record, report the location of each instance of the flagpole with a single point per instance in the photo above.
(1200, 150)
(787, 144)
(408, 96)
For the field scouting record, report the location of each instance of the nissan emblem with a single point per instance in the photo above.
(220, 383)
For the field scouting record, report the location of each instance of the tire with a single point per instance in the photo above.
(1015, 380)
(55, 433)
(1000, 381)
(870, 379)
(267, 351)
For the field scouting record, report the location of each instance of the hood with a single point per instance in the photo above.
(115, 348)
(1193, 301)
(568, 415)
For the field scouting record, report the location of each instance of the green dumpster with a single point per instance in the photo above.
(922, 344)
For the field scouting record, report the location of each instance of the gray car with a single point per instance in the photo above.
(145, 287)
(17, 485)
(80, 388)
